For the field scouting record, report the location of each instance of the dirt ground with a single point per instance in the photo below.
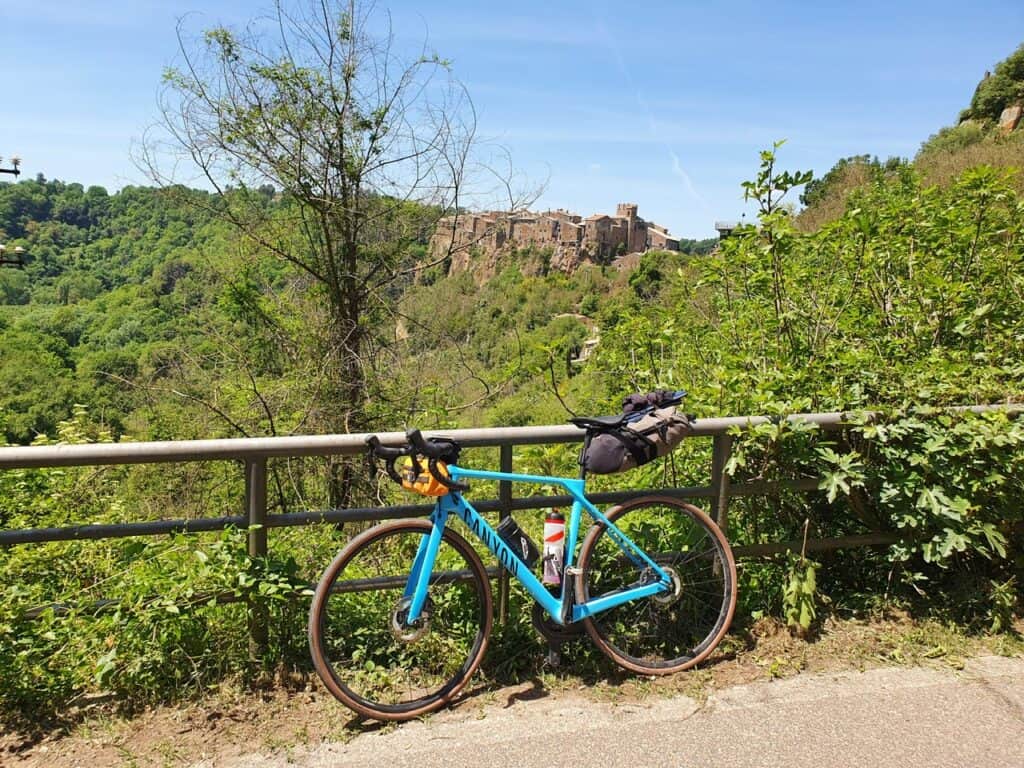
(296, 712)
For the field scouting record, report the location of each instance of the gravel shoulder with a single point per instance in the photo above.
(894, 717)
(739, 701)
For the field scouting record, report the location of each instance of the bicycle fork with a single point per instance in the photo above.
(423, 566)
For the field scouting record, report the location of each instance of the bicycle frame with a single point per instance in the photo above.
(453, 503)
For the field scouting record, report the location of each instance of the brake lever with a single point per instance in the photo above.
(417, 468)
(371, 456)
(375, 451)
(448, 483)
(392, 472)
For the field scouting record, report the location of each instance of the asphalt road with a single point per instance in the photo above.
(887, 718)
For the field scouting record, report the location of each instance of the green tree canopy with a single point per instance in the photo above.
(1005, 86)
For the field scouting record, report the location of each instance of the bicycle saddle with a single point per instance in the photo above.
(599, 422)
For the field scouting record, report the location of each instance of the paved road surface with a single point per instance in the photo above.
(886, 718)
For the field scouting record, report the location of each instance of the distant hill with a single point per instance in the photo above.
(146, 309)
(109, 282)
(990, 132)
(999, 90)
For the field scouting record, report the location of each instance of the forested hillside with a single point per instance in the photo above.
(106, 290)
(125, 296)
(145, 315)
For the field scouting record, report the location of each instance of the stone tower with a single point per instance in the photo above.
(626, 211)
(636, 237)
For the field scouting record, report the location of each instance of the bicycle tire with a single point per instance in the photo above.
(358, 653)
(661, 634)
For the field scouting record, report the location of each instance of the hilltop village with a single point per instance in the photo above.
(571, 238)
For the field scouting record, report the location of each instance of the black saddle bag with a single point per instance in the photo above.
(635, 443)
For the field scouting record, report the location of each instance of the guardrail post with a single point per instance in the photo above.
(256, 513)
(505, 502)
(720, 453)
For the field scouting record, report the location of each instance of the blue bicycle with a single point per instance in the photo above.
(401, 618)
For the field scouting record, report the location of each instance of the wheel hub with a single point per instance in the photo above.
(669, 596)
(400, 626)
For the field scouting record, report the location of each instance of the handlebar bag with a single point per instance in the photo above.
(423, 483)
(637, 442)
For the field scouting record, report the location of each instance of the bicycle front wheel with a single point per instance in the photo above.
(674, 630)
(369, 658)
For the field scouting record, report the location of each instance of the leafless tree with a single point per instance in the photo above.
(363, 147)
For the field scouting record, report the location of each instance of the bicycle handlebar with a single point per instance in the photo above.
(433, 449)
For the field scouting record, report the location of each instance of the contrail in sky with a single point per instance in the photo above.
(677, 166)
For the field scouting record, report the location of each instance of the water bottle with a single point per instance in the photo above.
(554, 546)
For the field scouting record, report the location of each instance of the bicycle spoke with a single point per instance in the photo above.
(669, 632)
(367, 655)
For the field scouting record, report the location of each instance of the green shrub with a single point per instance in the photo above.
(956, 138)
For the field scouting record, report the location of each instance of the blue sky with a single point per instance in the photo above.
(665, 104)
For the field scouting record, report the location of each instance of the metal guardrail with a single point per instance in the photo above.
(254, 452)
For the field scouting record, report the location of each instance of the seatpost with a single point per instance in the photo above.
(583, 453)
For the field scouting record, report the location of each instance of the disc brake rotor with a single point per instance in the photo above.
(400, 626)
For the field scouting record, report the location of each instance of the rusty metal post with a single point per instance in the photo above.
(505, 509)
(256, 514)
(720, 453)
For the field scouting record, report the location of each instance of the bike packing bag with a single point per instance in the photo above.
(518, 541)
(635, 443)
(424, 483)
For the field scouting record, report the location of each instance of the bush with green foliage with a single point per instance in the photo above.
(955, 138)
(146, 619)
(912, 296)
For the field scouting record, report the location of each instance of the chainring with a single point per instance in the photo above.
(551, 630)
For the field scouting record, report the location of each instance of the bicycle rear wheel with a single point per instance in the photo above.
(363, 651)
(672, 631)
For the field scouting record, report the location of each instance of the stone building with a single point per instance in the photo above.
(659, 239)
(570, 238)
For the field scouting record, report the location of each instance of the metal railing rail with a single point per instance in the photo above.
(254, 452)
(336, 445)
